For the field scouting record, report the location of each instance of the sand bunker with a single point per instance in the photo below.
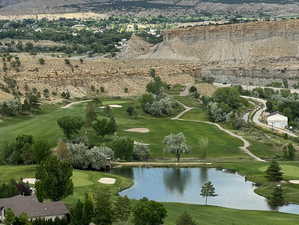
(111, 106)
(29, 180)
(106, 180)
(138, 130)
(294, 181)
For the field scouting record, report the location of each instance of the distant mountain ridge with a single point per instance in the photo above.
(151, 7)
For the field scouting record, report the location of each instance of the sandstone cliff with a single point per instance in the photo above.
(231, 44)
(257, 53)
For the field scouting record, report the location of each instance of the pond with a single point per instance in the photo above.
(184, 185)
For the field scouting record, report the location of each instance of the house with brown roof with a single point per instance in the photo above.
(33, 208)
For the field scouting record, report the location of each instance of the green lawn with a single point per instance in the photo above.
(84, 181)
(196, 114)
(206, 141)
(212, 215)
(255, 171)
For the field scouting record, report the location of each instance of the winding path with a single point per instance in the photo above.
(246, 143)
(74, 103)
(257, 115)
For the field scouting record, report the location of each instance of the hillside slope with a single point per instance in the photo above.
(256, 53)
(231, 44)
(151, 7)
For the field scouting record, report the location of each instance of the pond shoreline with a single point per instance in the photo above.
(181, 185)
(162, 164)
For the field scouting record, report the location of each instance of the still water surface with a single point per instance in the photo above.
(184, 185)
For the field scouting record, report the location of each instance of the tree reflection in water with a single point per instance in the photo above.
(176, 179)
(203, 175)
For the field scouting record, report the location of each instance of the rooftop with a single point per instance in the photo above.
(32, 207)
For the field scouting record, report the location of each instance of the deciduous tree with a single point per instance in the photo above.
(70, 125)
(176, 144)
(148, 212)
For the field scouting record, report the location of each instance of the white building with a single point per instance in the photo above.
(277, 120)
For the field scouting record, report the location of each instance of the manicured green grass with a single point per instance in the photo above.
(202, 138)
(84, 181)
(217, 144)
(255, 171)
(212, 215)
(196, 114)
(262, 149)
(188, 101)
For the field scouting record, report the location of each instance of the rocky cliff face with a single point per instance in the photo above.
(231, 44)
(259, 51)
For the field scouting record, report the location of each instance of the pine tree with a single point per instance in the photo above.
(273, 172)
(276, 199)
(88, 210)
(208, 190)
(103, 208)
(122, 209)
(77, 214)
(55, 179)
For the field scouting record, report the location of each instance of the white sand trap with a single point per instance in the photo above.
(107, 180)
(29, 180)
(140, 143)
(294, 181)
(138, 130)
(111, 106)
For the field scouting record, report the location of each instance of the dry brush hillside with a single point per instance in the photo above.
(113, 75)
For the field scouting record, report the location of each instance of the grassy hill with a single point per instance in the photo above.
(206, 141)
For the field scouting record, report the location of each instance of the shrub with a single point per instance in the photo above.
(141, 152)
(148, 212)
(123, 148)
(94, 158)
(159, 107)
(41, 61)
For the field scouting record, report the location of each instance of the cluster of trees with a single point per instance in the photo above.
(155, 102)
(84, 41)
(83, 157)
(225, 104)
(159, 106)
(31, 104)
(25, 150)
(13, 188)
